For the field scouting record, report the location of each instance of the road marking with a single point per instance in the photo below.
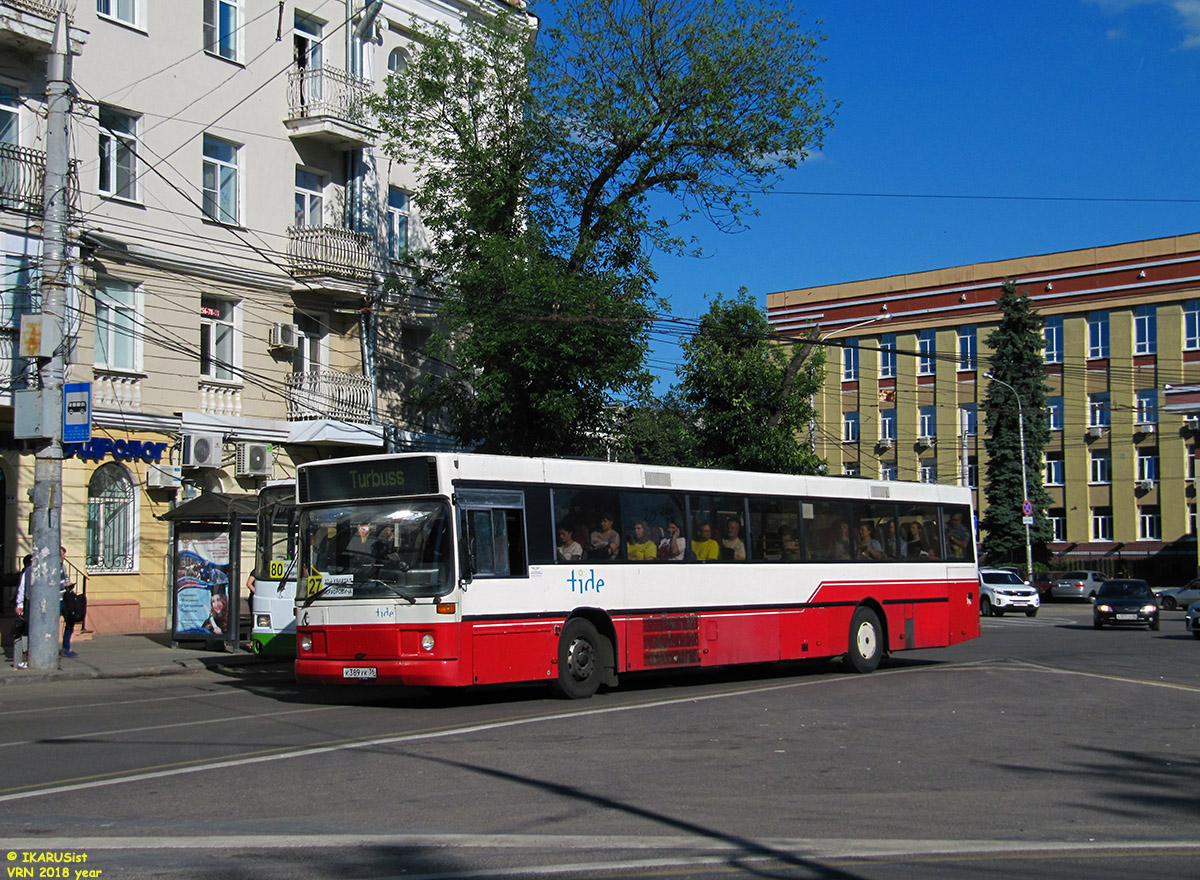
(75, 707)
(224, 720)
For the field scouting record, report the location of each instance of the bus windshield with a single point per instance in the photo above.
(388, 548)
(276, 534)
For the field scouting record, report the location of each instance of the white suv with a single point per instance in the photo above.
(1000, 590)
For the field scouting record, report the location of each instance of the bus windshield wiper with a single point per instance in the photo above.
(393, 589)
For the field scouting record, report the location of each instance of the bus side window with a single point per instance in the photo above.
(497, 539)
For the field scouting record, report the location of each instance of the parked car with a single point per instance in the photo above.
(1179, 597)
(1043, 582)
(1002, 590)
(1077, 585)
(1125, 603)
(1192, 621)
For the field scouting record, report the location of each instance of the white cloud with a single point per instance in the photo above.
(1188, 12)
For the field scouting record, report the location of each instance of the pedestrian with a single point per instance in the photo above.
(20, 625)
(69, 606)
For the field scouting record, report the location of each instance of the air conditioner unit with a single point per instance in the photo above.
(1146, 428)
(254, 460)
(1145, 485)
(163, 476)
(1095, 431)
(885, 442)
(926, 442)
(202, 450)
(284, 336)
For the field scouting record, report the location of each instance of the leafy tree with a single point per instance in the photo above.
(537, 161)
(654, 432)
(750, 399)
(1016, 360)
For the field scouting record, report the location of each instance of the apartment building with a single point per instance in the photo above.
(233, 222)
(904, 385)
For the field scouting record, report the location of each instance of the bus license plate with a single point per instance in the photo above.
(359, 672)
(1126, 617)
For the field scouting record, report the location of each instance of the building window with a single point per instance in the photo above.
(18, 290)
(926, 352)
(967, 352)
(10, 116)
(1145, 330)
(1054, 413)
(1098, 335)
(887, 356)
(1147, 465)
(887, 424)
(1101, 467)
(1149, 523)
(218, 338)
(1189, 456)
(397, 223)
(1052, 329)
(850, 427)
(850, 360)
(928, 472)
(121, 10)
(117, 323)
(397, 61)
(972, 473)
(222, 26)
(118, 154)
(1191, 519)
(111, 520)
(888, 471)
(1191, 324)
(968, 419)
(850, 469)
(1055, 469)
(1102, 524)
(1147, 406)
(927, 421)
(310, 199)
(1057, 517)
(1099, 413)
(221, 194)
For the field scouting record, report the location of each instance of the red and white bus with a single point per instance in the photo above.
(454, 569)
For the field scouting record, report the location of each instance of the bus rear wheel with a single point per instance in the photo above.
(580, 654)
(866, 648)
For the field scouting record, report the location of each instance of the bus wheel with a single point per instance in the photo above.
(865, 648)
(579, 658)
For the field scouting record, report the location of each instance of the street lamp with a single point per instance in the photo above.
(1024, 478)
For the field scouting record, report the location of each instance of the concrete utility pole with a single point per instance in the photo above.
(45, 576)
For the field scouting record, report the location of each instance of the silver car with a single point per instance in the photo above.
(1179, 597)
(1077, 585)
(1193, 620)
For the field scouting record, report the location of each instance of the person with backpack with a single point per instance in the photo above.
(73, 607)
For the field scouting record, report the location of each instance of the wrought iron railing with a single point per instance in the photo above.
(22, 171)
(329, 250)
(328, 394)
(326, 91)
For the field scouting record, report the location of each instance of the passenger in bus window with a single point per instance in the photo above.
(673, 547)
(360, 547)
(604, 543)
(842, 545)
(732, 545)
(640, 548)
(887, 538)
(705, 548)
(958, 537)
(568, 548)
(868, 546)
(789, 543)
(915, 546)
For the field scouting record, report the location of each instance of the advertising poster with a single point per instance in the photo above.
(202, 584)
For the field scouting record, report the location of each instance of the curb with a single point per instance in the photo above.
(183, 666)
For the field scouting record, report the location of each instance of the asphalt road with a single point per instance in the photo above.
(1043, 749)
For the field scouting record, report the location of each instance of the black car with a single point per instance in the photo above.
(1125, 603)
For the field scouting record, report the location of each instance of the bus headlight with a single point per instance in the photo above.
(305, 642)
(427, 642)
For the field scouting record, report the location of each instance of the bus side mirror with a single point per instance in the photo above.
(466, 559)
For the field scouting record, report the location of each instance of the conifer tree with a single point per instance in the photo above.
(1016, 360)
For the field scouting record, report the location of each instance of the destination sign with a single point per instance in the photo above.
(374, 478)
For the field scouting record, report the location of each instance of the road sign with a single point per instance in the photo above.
(1027, 508)
(77, 412)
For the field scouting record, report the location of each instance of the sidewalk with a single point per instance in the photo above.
(133, 656)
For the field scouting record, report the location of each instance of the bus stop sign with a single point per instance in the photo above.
(77, 412)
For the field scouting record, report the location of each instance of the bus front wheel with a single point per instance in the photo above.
(579, 660)
(866, 647)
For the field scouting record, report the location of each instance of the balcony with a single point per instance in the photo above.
(22, 171)
(328, 394)
(28, 26)
(330, 258)
(116, 391)
(219, 399)
(326, 104)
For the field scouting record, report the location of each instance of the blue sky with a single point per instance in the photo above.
(1019, 102)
